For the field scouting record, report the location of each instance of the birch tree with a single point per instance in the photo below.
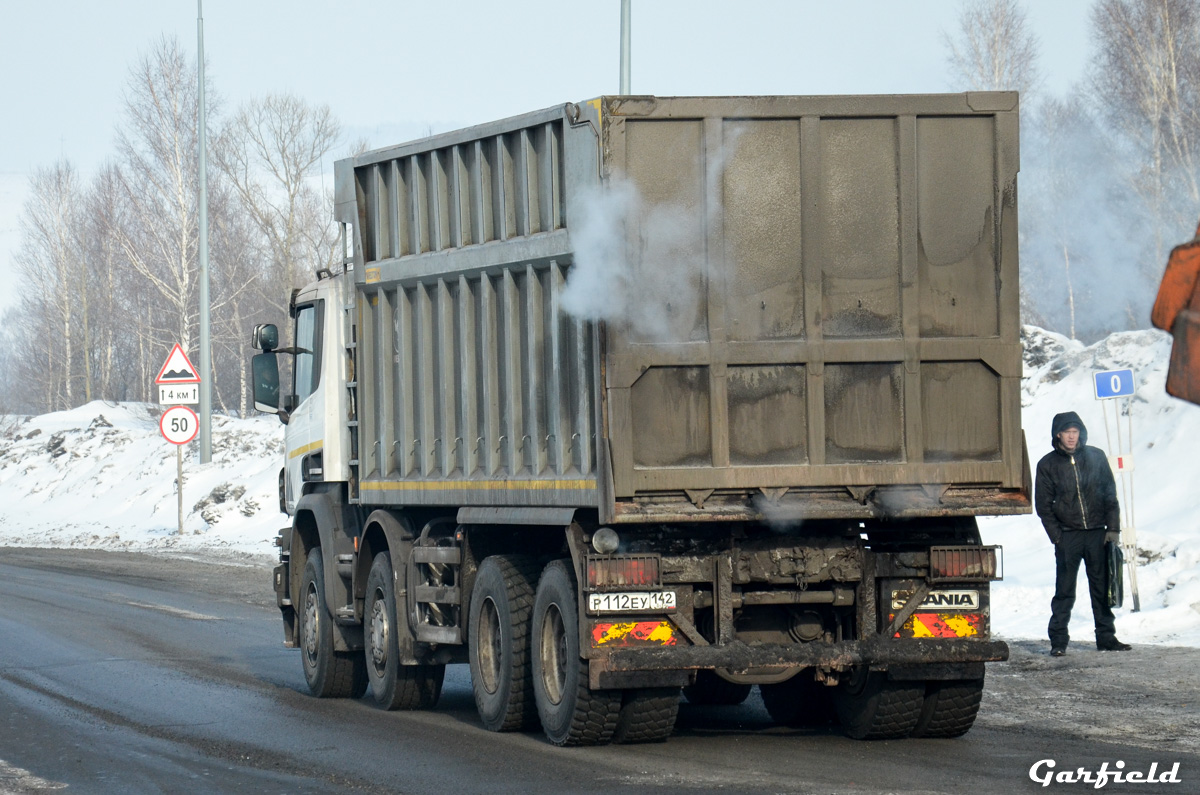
(1145, 76)
(994, 49)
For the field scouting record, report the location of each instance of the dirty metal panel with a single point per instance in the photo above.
(665, 231)
(957, 206)
(768, 422)
(848, 247)
(671, 417)
(859, 226)
(960, 403)
(760, 164)
(863, 413)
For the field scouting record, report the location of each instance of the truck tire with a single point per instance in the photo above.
(800, 702)
(950, 708)
(393, 685)
(329, 674)
(647, 715)
(571, 714)
(711, 690)
(872, 707)
(498, 647)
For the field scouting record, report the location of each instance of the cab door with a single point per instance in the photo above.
(306, 426)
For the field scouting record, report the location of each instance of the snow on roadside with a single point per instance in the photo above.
(101, 477)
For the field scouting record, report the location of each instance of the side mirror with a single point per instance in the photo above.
(265, 371)
(265, 338)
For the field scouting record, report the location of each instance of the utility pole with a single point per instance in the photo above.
(625, 25)
(206, 375)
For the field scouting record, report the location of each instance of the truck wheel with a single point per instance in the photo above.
(950, 708)
(571, 714)
(498, 627)
(393, 685)
(871, 707)
(711, 690)
(647, 715)
(799, 702)
(329, 674)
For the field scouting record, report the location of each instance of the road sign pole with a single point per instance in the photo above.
(1110, 384)
(179, 482)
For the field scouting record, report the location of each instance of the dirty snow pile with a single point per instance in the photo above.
(102, 477)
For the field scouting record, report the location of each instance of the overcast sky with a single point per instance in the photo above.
(392, 70)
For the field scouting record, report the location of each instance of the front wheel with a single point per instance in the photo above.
(393, 685)
(329, 674)
(571, 714)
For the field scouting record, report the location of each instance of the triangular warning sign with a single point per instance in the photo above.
(178, 369)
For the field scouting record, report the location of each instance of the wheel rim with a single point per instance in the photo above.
(380, 631)
(311, 616)
(554, 654)
(489, 647)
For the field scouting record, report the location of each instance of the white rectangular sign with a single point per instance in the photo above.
(631, 602)
(178, 394)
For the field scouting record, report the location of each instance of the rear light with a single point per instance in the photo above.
(952, 564)
(615, 572)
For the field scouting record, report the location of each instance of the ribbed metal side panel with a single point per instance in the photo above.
(481, 391)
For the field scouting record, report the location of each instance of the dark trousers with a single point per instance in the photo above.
(1088, 546)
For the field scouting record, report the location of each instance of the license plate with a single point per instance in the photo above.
(631, 602)
(940, 600)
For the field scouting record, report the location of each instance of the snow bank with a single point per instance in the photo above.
(102, 477)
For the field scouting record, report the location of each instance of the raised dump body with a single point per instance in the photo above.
(808, 304)
(642, 395)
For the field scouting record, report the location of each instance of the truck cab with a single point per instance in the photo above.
(315, 438)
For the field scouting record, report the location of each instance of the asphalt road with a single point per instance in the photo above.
(127, 674)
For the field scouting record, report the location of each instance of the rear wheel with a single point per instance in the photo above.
(872, 707)
(498, 625)
(393, 685)
(950, 708)
(329, 674)
(711, 690)
(800, 701)
(647, 715)
(571, 714)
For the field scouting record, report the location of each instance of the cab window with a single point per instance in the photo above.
(307, 373)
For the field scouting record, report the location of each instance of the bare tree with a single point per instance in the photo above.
(49, 262)
(270, 152)
(159, 182)
(994, 49)
(1145, 75)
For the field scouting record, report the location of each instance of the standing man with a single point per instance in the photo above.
(1076, 499)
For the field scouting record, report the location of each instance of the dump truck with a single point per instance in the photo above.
(642, 396)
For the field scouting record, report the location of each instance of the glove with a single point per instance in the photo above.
(1055, 538)
(1112, 536)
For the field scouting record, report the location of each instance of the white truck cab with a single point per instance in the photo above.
(316, 439)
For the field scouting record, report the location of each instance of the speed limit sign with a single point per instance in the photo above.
(179, 425)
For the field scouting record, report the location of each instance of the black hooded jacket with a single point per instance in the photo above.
(1075, 491)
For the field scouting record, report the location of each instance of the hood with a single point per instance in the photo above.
(1062, 422)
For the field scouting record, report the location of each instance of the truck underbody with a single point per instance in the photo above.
(875, 622)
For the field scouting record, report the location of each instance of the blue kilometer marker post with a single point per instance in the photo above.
(1114, 384)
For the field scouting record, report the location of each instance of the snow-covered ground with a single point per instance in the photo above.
(101, 477)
